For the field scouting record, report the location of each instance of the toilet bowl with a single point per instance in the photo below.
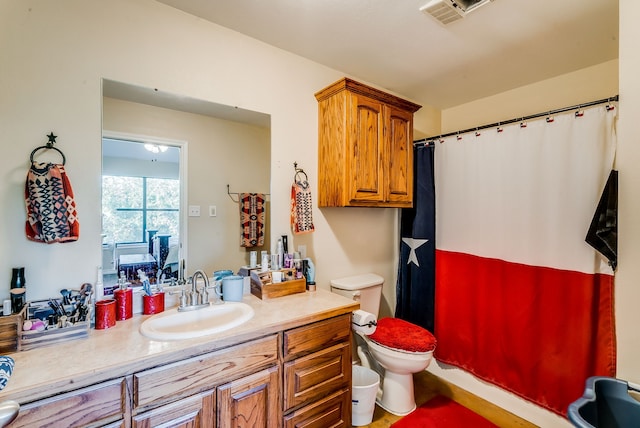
(402, 349)
(396, 350)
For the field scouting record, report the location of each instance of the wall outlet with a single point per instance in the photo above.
(212, 211)
(194, 210)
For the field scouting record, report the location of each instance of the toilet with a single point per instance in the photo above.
(396, 350)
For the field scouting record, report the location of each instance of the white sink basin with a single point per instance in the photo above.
(175, 325)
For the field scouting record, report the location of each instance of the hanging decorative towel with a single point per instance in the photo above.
(301, 212)
(51, 208)
(603, 231)
(252, 219)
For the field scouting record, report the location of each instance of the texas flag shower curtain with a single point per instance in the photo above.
(522, 301)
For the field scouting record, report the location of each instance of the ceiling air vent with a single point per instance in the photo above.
(448, 11)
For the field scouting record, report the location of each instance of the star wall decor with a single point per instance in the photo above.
(52, 138)
(414, 244)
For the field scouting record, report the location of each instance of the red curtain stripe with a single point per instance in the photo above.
(537, 332)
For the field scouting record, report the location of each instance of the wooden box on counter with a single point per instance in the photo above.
(10, 326)
(263, 287)
(13, 338)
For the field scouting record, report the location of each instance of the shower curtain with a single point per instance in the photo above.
(416, 270)
(522, 300)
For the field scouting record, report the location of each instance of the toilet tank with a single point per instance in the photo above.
(365, 288)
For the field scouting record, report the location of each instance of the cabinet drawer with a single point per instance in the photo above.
(105, 402)
(320, 335)
(331, 412)
(198, 374)
(316, 375)
(195, 411)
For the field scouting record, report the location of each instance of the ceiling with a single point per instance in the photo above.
(129, 149)
(499, 46)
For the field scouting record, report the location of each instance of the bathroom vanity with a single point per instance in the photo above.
(289, 364)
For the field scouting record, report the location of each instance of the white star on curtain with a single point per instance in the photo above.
(414, 244)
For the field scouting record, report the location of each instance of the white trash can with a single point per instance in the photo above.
(364, 389)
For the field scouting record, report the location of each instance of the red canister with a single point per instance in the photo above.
(105, 314)
(124, 303)
(153, 304)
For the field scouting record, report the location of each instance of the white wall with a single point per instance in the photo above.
(627, 278)
(54, 55)
(589, 84)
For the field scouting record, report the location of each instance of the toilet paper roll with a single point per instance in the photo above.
(363, 322)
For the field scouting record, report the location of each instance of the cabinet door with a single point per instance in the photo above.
(251, 401)
(366, 150)
(196, 411)
(399, 156)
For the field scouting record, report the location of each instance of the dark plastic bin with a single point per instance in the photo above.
(606, 403)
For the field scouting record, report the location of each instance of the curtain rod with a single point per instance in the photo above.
(520, 119)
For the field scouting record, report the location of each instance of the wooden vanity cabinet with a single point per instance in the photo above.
(365, 147)
(292, 378)
(317, 374)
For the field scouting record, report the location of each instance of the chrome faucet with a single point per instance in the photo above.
(197, 298)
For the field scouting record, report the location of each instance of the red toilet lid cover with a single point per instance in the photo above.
(400, 334)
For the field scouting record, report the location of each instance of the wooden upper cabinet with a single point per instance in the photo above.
(365, 147)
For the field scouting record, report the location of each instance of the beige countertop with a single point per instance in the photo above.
(122, 350)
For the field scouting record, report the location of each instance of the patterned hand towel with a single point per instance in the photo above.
(301, 212)
(252, 219)
(51, 208)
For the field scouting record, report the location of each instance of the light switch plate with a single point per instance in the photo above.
(194, 210)
(212, 211)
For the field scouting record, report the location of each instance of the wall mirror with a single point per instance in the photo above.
(197, 152)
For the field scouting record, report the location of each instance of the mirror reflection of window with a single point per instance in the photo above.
(133, 205)
(140, 206)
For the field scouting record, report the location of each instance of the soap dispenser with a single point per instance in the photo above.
(124, 299)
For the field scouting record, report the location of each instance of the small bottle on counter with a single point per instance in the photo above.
(99, 285)
(279, 255)
(310, 274)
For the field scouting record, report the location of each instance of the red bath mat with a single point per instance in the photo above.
(441, 412)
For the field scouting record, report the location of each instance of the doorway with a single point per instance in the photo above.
(142, 196)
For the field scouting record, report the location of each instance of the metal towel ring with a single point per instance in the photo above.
(296, 178)
(64, 159)
(49, 145)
